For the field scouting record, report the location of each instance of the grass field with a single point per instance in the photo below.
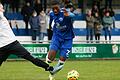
(89, 70)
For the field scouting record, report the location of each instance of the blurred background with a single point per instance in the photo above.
(18, 13)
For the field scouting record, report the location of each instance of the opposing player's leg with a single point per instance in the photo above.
(3, 57)
(38, 62)
(20, 51)
(4, 53)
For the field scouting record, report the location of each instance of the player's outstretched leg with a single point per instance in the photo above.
(39, 63)
(20, 51)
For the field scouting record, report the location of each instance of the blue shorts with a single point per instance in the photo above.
(63, 46)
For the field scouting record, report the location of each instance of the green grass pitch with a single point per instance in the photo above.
(89, 70)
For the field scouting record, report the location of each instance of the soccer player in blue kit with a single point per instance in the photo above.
(62, 26)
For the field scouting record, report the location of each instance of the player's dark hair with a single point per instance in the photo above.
(55, 2)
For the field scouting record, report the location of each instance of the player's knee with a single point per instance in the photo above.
(62, 58)
(51, 55)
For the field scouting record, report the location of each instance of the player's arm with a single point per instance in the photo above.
(65, 12)
(68, 13)
(51, 19)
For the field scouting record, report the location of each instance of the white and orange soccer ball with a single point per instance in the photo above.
(73, 75)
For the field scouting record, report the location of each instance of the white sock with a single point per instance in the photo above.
(48, 60)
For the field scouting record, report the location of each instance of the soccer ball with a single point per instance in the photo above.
(73, 75)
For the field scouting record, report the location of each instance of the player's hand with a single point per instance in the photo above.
(66, 13)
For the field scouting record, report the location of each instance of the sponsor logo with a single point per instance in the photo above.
(84, 56)
(84, 50)
(61, 19)
(37, 50)
(114, 49)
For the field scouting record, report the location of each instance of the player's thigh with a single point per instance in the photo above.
(53, 48)
(55, 44)
(67, 44)
(52, 54)
(64, 53)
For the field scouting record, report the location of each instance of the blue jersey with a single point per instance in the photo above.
(62, 33)
(62, 25)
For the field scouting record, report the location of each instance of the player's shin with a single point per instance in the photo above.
(42, 64)
(48, 61)
(50, 56)
(38, 62)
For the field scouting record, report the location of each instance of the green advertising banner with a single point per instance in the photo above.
(79, 51)
(95, 51)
